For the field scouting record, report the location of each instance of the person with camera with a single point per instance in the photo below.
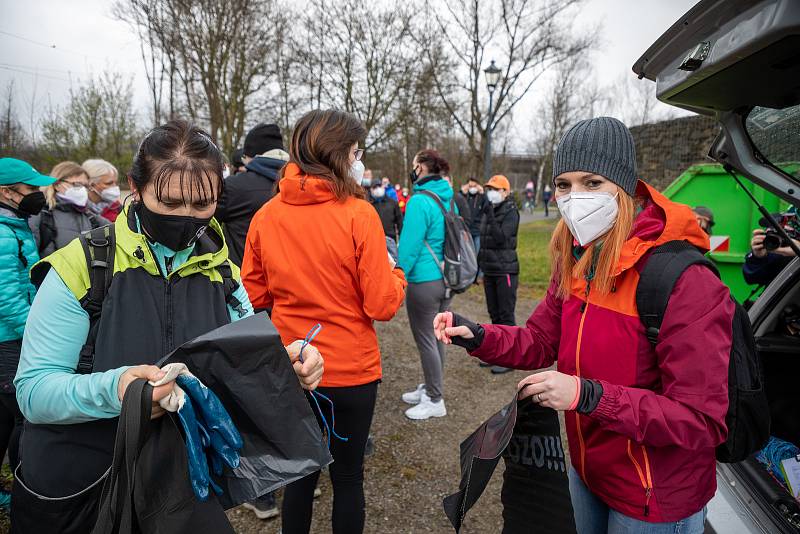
(769, 252)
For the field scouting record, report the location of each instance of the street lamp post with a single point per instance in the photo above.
(492, 79)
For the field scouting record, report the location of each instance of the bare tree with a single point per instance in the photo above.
(572, 96)
(525, 37)
(99, 120)
(219, 50)
(362, 60)
(12, 135)
(636, 102)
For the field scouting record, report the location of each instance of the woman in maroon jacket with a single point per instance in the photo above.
(642, 422)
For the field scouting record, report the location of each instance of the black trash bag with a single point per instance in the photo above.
(535, 492)
(503, 434)
(245, 364)
(147, 488)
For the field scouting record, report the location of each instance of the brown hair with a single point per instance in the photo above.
(568, 268)
(62, 171)
(435, 163)
(320, 146)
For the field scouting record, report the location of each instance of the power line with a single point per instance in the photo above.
(31, 73)
(50, 46)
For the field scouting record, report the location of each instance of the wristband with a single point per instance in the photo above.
(577, 394)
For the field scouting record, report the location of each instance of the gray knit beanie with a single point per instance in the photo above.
(603, 146)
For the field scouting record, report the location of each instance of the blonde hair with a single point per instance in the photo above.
(568, 269)
(62, 171)
(96, 168)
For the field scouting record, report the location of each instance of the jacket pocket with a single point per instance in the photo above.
(643, 470)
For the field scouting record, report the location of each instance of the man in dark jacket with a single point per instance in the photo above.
(472, 193)
(387, 208)
(497, 257)
(243, 194)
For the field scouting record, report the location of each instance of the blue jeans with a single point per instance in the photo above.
(593, 516)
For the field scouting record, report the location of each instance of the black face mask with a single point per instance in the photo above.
(32, 203)
(413, 175)
(176, 232)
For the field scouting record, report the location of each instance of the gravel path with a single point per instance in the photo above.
(415, 464)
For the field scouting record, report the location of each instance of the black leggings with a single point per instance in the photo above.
(10, 428)
(354, 407)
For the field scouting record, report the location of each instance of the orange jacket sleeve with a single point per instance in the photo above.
(383, 288)
(254, 276)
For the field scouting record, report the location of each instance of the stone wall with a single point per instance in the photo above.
(665, 149)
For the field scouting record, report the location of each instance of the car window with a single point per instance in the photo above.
(776, 134)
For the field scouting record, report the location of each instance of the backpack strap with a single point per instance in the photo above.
(229, 287)
(657, 279)
(98, 245)
(435, 197)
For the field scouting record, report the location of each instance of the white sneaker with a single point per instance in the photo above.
(416, 396)
(426, 409)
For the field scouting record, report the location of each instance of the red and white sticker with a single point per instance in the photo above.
(720, 243)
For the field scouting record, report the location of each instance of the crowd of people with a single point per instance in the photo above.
(310, 236)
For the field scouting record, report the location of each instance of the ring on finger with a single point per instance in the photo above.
(538, 398)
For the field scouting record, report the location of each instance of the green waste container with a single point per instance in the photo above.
(735, 215)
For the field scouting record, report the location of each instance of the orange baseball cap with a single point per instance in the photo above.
(498, 181)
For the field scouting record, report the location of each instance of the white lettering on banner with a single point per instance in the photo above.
(539, 451)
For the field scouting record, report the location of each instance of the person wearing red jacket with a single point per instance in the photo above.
(642, 422)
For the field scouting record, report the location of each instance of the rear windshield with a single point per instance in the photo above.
(776, 134)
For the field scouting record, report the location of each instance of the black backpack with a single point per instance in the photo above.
(748, 411)
(460, 264)
(99, 245)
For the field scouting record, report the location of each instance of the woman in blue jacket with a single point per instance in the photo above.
(19, 199)
(421, 251)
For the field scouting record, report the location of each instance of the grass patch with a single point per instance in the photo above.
(534, 259)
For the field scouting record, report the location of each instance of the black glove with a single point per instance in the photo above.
(591, 391)
(476, 329)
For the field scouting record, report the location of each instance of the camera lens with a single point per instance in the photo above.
(772, 241)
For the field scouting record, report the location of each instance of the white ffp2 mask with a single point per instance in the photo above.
(588, 215)
(357, 171)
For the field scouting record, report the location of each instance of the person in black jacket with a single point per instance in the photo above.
(497, 257)
(244, 193)
(387, 208)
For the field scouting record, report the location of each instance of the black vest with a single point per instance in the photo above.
(144, 318)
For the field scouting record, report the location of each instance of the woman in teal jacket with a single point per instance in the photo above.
(19, 199)
(420, 255)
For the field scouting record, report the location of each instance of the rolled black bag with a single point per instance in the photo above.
(535, 491)
(148, 489)
(245, 364)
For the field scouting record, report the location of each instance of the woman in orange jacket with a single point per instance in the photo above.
(316, 253)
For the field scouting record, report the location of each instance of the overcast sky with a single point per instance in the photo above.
(81, 38)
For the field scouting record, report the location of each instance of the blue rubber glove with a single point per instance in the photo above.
(214, 415)
(195, 452)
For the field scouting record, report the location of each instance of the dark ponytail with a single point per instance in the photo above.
(435, 163)
(183, 151)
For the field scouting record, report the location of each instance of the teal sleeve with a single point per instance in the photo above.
(241, 294)
(412, 238)
(48, 390)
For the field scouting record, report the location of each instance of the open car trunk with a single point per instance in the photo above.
(780, 358)
(739, 62)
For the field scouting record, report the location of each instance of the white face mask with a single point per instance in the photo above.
(378, 192)
(473, 190)
(78, 196)
(225, 172)
(588, 215)
(494, 197)
(357, 170)
(110, 194)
